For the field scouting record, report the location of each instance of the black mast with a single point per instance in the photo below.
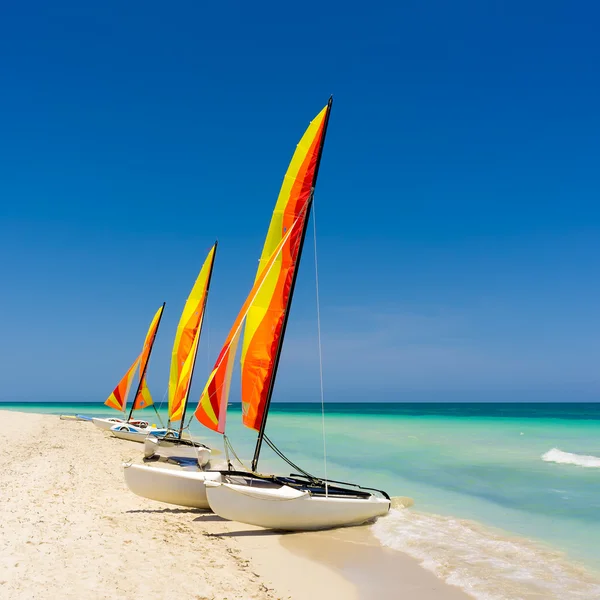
(261, 433)
(187, 394)
(139, 387)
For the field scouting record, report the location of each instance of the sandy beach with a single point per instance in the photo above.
(70, 528)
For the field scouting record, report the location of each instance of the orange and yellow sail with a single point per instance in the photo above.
(118, 398)
(264, 309)
(212, 407)
(265, 318)
(143, 397)
(187, 340)
(149, 341)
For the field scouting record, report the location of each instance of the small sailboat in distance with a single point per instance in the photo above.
(118, 398)
(131, 430)
(295, 502)
(142, 398)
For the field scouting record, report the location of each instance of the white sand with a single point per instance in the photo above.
(70, 528)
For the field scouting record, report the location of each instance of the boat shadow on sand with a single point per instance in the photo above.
(176, 511)
(205, 516)
(244, 532)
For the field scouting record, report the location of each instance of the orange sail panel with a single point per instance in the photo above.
(118, 399)
(266, 315)
(212, 407)
(144, 398)
(187, 340)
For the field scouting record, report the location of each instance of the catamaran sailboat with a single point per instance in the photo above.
(297, 502)
(174, 451)
(142, 398)
(183, 360)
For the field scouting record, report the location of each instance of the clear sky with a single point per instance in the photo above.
(457, 203)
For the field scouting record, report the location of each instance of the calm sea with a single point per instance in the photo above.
(506, 496)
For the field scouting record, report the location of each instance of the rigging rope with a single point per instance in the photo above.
(162, 402)
(286, 459)
(229, 445)
(320, 349)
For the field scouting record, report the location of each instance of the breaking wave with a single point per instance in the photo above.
(568, 458)
(484, 562)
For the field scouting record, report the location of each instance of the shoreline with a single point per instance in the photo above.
(375, 570)
(69, 527)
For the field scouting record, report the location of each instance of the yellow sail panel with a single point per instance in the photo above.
(187, 340)
(144, 398)
(265, 318)
(212, 407)
(185, 378)
(118, 398)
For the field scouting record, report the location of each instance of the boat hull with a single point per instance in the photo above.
(132, 433)
(131, 436)
(106, 424)
(170, 485)
(289, 509)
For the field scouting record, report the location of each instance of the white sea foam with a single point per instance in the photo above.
(486, 563)
(568, 458)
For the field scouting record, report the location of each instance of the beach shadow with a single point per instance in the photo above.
(246, 533)
(174, 511)
(208, 516)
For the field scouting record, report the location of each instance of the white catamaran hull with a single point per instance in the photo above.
(290, 509)
(106, 424)
(168, 448)
(170, 485)
(133, 433)
(132, 436)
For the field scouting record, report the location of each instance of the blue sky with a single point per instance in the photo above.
(457, 204)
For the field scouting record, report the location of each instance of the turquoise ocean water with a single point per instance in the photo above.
(507, 496)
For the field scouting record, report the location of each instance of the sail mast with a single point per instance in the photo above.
(189, 387)
(261, 433)
(143, 373)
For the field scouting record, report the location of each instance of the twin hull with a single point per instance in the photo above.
(278, 507)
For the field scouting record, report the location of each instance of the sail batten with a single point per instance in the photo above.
(187, 339)
(265, 323)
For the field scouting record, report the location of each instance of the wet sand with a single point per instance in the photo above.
(376, 571)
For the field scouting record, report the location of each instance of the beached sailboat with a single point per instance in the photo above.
(297, 502)
(172, 460)
(183, 361)
(142, 398)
